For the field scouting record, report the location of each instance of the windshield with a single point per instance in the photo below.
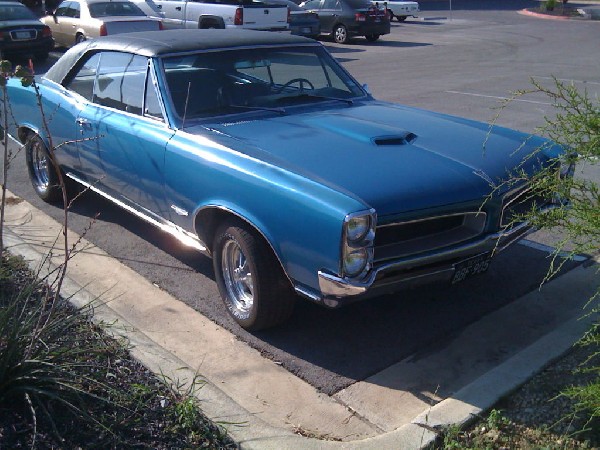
(227, 82)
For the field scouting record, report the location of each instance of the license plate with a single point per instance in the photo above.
(472, 266)
(22, 35)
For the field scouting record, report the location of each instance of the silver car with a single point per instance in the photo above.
(75, 21)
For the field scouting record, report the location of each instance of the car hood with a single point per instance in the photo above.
(395, 159)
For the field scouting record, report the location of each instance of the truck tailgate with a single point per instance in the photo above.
(263, 17)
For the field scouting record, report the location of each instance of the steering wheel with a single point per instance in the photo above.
(301, 81)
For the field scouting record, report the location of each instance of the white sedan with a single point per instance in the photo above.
(75, 21)
(400, 10)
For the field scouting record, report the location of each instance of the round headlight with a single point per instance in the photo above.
(358, 227)
(355, 262)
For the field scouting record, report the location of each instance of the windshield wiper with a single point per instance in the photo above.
(259, 108)
(323, 97)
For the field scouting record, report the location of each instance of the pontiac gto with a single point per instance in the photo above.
(261, 151)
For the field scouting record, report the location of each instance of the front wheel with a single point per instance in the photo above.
(251, 281)
(42, 173)
(372, 37)
(340, 34)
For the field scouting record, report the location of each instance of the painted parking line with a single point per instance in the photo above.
(551, 250)
(499, 98)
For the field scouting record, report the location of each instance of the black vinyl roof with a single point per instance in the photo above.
(157, 43)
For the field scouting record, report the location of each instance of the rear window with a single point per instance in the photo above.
(16, 12)
(114, 9)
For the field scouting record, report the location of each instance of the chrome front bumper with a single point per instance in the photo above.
(434, 265)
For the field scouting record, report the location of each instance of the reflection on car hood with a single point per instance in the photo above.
(394, 158)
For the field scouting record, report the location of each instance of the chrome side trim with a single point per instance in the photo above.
(177, 232)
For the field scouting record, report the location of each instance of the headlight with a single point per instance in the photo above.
(358, 227)
(355, 261)
(357, 246)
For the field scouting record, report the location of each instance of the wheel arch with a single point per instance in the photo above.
(25, 130)
(208, 219)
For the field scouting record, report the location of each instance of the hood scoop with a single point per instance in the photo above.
(399, 139)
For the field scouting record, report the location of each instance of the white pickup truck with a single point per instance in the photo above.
(398, 9)
(248, 14)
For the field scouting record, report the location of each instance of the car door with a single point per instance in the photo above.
(329, 14)
(174, 11)
(66, 21)
(124, 133)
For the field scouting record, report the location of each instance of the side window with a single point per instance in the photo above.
(83, 81)
(121, 81)
(152, 107)
(74, 10)
(330, 4)
(63, 8)
(312, 4)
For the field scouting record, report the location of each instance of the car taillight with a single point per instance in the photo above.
(289, 19)
(360, 17)
(103, 30)
(46, 32)
(238, 19)
(160, 26)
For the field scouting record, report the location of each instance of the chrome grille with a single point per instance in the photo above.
(418, 236)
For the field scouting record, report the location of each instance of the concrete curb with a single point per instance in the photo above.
(526, 12)
(250, 431)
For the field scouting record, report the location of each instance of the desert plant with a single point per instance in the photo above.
(549, 5)
(576, 128)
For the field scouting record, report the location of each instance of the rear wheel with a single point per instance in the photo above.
(251, 281)
(372, 37)
(340, 34)
(401, 18)
(79, 38)
(391, 14)
(42, 173)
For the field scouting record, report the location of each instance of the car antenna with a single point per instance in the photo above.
(185, 106)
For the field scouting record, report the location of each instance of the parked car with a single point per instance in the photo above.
(302, 22)
(400, 10)
(262, 151)
(22, 34)
(344, 19)
(75, 21)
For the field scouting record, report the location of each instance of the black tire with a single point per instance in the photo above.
(42, 173)
(391, 14)
(401, 18)
(251, 281)
(80, 38)
(340, 34)
(372, 37)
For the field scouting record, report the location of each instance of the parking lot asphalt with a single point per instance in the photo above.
(269, 407)
(396, 406)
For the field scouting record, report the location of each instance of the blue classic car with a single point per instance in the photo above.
(260, 150)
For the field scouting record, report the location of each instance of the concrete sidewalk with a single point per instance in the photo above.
(399, 407)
